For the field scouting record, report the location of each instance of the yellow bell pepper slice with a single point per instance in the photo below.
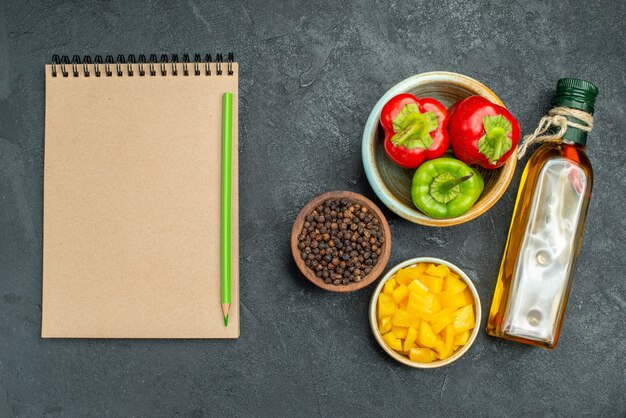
(441, 319)
(417, 287)
(389, 286)
(469, 298)
(427, 337)
(384, 298)
(454, 284)
(433, 283)
(417, 311)
(447, 299)
(448, 337)
(402, 318)
(436, 307)
(384, 325)
(461, 299)
(392, 341)
(452, 300)
(411, 336)
(386, 309)
(462, 338)
(426, 303)
(399, 332)
(422, 355)
(442, 351)
(438, 271)
(400, 294)
(405, 275)
(463, 319)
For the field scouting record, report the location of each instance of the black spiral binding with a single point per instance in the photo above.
(108, 60)
(86, 64)
(65, 65)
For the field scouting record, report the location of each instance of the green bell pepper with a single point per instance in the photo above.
(446, 187)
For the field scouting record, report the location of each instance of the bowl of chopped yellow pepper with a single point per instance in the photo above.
(425, 313)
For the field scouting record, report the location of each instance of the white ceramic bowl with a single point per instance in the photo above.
(399, 357)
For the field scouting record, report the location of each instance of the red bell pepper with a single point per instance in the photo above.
(415, 130)
(482, 133)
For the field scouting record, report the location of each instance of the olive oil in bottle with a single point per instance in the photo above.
(546, 231)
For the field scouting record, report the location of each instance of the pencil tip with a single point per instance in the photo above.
(225, 309)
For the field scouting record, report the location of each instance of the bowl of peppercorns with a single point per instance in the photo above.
(341, 241)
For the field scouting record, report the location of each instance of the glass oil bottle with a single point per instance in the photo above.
(546, 232)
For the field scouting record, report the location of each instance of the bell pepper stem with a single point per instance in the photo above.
(412, 128)
(415, 134)
(450, 184)
(495, 143)
(497, 135)
(401, 137)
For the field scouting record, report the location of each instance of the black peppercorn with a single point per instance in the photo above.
(340, 241)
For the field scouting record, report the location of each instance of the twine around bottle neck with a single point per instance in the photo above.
(556, 118)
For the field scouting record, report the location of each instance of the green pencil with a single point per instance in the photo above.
(227, 139)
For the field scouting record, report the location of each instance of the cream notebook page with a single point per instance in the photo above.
(131, 228)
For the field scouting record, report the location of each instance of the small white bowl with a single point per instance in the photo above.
(399, 357)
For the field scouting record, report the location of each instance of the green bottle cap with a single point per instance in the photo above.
(576, 94)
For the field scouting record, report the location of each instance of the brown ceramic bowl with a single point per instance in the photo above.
(392, 184)
(382, 260)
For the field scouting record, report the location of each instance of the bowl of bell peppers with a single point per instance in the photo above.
(416, 169)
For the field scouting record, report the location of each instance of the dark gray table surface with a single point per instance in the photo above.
(310, 73)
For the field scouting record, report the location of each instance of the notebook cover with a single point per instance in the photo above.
(131, 228)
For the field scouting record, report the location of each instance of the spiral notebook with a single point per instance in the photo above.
(131, 219)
